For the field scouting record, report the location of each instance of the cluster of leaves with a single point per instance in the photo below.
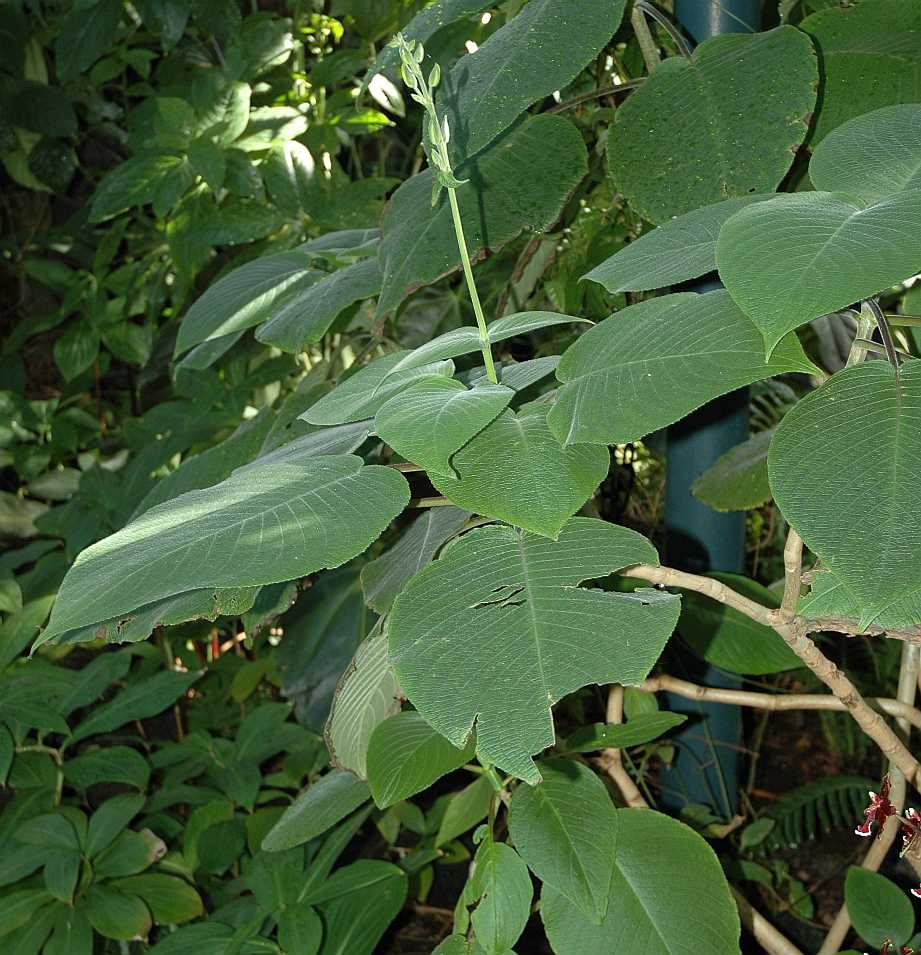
(259, 366)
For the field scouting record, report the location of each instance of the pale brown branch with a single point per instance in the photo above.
(610, 759)
(761, 929)
(793, 575)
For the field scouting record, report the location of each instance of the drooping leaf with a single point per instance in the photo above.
(726, 123)
(869, 55)
(657, 361)
(871, 156)
(305, 318)
(238, 533)
(696, 913)
(500, 888)
(857, 438)
(566, 831)
(796, 257)
(725, 637)
(738, 479)
(419, 244)
(680, 249)
(640, 728)
(538, 51)
(405, 756)
(430, 420)
(465, 809)
(382, 579)
(499, 588)
(879, 909)
(318, 808)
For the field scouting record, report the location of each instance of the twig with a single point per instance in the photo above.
(596, 94)
(651, 10)
(610, 759)
(773, 702)
(645, 39)
(793, 575)
(908, 684)
(761, 929)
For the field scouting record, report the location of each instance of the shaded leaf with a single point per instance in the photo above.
(738, 479)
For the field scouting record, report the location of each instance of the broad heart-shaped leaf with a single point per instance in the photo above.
(668, 897)
(499, 202)
(843, 466)
(319, 807)
(566, 831)
(464, 341)
(406, 755)
(501, 891)
(738, 479)
(261, 525)
(497, 630)
(367, 694)
(516, 470)
(384, 578)
(728, 639)
(246, 297)
(870, 54)
(430, 420)
(878, 908)
(796, 257)
(361, 395)
(680, 249)
(537, 52)
(652, 363)
(305, 319)
(724, 124)
(872, 155)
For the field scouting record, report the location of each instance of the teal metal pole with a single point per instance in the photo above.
(706, 766)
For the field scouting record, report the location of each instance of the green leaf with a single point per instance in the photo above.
(355, 922)
(382, 579)
(130, 853)
(725, 637)
(137, 701)
(300, 930)
(465, 809)
(871, 156)
(290, 176)
(117, 915)
(7, 749)
(136, 182)
(29, 939)
(237, 533)
(405, 756)
(109, 820)
(500, 888)
(246, 297)
(639, 729)
(76, 349)
(726, 123)
(870, 57)
(362, 394)
(18, 630)
(671, 901)
(113, 764)
(536, 53)
(19, 907)
(92, 680)
(680, 249)
(878, 908)
(738, 479)
(320, 806)
(861, 428)
(72, 934)
(37, 107)
(367, 694)
(432, 418)
(829, 597)
(85, 35)
(170, 900)
(419, 244)
(656, 362)
(51, 830)
(209, 162)
(306, 318)
(515, 470)
(566, 831)
(497, 586)
(796, 257)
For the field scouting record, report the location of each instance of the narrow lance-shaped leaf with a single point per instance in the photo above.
(497, 630)
(261, 525)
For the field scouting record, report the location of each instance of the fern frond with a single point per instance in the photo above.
(836, 802)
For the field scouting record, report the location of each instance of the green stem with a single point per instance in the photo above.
(471, 287)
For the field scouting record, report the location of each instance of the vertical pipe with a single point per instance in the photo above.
(706, 766)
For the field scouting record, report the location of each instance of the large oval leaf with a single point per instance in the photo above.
(879, 909)
(652, 363)
(261, 525)
(668, 897)
(724, 124)
(796, 257)
(497, 629)
(843, 466)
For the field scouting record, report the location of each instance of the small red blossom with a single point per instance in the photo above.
(911, 830)
(879, 810)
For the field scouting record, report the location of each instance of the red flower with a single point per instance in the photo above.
(879, 810)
